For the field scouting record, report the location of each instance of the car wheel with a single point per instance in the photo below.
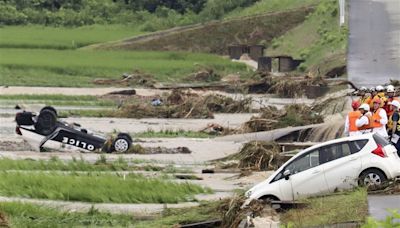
(268, 199)
(121, 144)
(372, 178)
(50, 108)
(46, 122)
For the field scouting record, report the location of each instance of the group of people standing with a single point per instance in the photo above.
(377, 110)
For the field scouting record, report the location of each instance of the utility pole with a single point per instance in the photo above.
(342, 12)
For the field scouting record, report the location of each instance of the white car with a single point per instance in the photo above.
(334, 165)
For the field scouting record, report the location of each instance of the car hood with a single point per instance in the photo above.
(261, 185)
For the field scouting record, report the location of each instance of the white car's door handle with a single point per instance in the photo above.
(316, 171)
(353, 158)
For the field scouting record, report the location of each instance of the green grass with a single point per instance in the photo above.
(56, 99)
(171, 217)
(34, 36)
(78, 68)
(322, 211)
(56, 164)
(30, 215)
(97, 188)
(80, 165)
(267, 6)
(171, 134)
(319, 40)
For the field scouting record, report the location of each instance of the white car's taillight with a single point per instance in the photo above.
(380, 151)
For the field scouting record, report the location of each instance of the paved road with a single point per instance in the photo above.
(378, 205)
(374, 41)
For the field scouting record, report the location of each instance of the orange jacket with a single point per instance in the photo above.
(365, 100)
(369, 125)
(353, 116)
(376, 118)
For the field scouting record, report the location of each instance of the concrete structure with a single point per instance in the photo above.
(287, 63)
(265, 64)
(254, 51)
(235, 51)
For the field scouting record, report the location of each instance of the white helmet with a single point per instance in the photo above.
(363, 88)
(395, 103)
(365, 107)
(379, 88)
(390, 89)
(372, 89)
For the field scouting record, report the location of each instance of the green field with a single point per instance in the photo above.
(78, 68)
(18, 214)
(35, 36)
(97, 188)
(267, 6)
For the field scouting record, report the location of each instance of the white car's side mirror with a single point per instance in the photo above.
(286, 174)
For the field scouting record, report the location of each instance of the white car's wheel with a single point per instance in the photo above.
(372, 178)
(121, 144)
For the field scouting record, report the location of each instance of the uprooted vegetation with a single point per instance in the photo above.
(181, 104)
(296, 87)
(255, 156)
(273, 118)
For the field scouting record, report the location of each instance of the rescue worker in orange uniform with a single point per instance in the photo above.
(364, 122)
(390, 96)
(350, 128)
(380, 93)
(364, 96)
(373, 93)
(379, 118)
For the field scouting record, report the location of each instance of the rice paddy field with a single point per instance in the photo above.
(49, 56)
(42, 37)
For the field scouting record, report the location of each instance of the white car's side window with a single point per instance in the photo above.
(304, 162)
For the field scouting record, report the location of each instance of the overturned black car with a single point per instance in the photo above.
(44, 130)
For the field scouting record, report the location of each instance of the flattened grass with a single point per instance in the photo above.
(97, 188)
(78, 68)
(321, 211)
(30, 215)
(56, 99)
(171, 134)
(34, 36)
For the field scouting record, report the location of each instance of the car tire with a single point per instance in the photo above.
(50, 108)
(372, 178)
(46, 122)
(121, 144)
(268, 199)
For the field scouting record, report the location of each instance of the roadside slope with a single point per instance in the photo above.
(214, 37)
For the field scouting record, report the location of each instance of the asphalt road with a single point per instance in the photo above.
(378, 205)
(374, 41)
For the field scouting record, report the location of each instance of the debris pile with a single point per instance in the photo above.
(136, 78)
(295, 87)
(3, 220)
(272, 118)
(180, 104)
(235, 215)
(259, 156)
(205, 75)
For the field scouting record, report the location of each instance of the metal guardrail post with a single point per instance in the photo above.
(342, 12)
